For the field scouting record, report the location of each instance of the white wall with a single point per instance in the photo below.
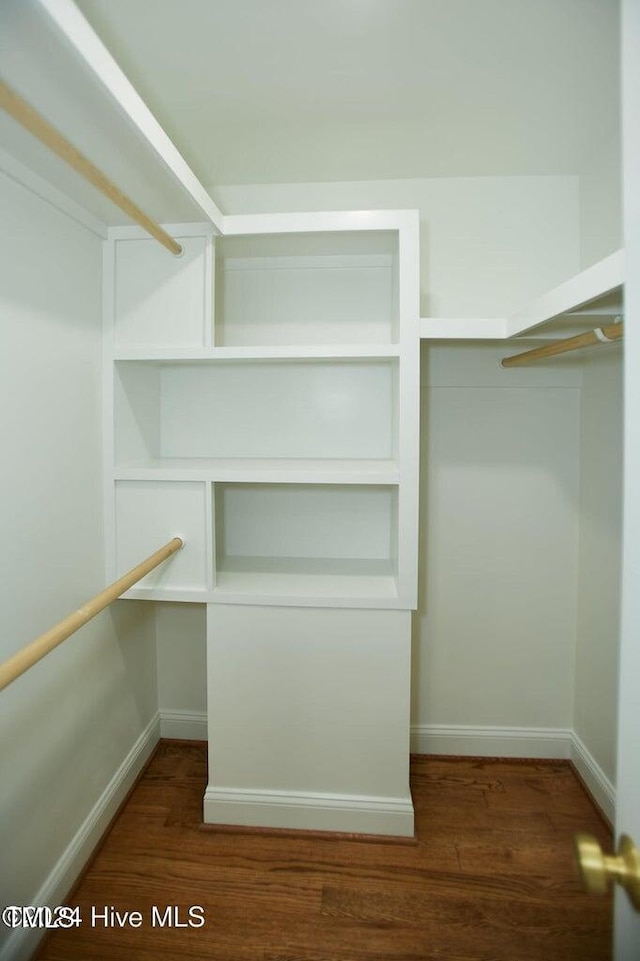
(596, 668)
(70, 722)
(601, 204)
(487, 244)
(495, 629)
(501, 460)
(182, 669)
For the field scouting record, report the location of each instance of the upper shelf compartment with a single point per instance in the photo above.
(53, 60)
(159, 301)
(331, 293)
(307, 289)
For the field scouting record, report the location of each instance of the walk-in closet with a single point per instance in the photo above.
(325, 325)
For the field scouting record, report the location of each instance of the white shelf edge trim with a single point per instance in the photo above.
(318, 221)
(239, 476)
(173, 355)
(87, 45)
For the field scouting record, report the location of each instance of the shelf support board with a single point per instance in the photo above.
(602, 278)
(89, 48)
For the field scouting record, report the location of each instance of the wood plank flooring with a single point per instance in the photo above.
(491, 877)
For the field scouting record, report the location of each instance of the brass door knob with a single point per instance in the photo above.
(598, 869)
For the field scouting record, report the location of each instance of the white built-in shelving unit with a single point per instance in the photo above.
(262, 401)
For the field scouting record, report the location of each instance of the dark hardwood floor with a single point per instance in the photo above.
(491, 877)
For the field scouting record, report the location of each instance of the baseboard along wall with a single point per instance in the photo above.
(22, 942)
(184, 725)
(594, 779)
(519, 742)
(468, 741)
(464, 741)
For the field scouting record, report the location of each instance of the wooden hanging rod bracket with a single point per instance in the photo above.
(35, 123)
(42, 645)
(601, 335)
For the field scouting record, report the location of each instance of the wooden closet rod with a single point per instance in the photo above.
(35, 123)
(601, 335)
(33, 652)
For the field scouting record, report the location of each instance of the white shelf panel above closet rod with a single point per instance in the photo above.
(595, 282)
(54, 60)
(585, 291)
(88, 48)
(32, 121)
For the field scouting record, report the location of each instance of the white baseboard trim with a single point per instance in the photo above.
(22, 942)
(425, 738)
(462, 740)
(597, 782)
(467, 741)
(184, 725)
(353, 814)
(526, 742)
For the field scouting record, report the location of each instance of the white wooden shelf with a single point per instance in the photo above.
(596, 291)
(309, 583)
(263, 470)
(169, 594)
(595, 294)
(308, 589)
(293, 352)
(54, 60)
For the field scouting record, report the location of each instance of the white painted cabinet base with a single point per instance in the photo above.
(309, 719)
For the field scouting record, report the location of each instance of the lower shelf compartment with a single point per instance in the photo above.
(270, 543)
(297, 540)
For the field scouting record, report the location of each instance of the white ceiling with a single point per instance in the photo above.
(256, 91)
